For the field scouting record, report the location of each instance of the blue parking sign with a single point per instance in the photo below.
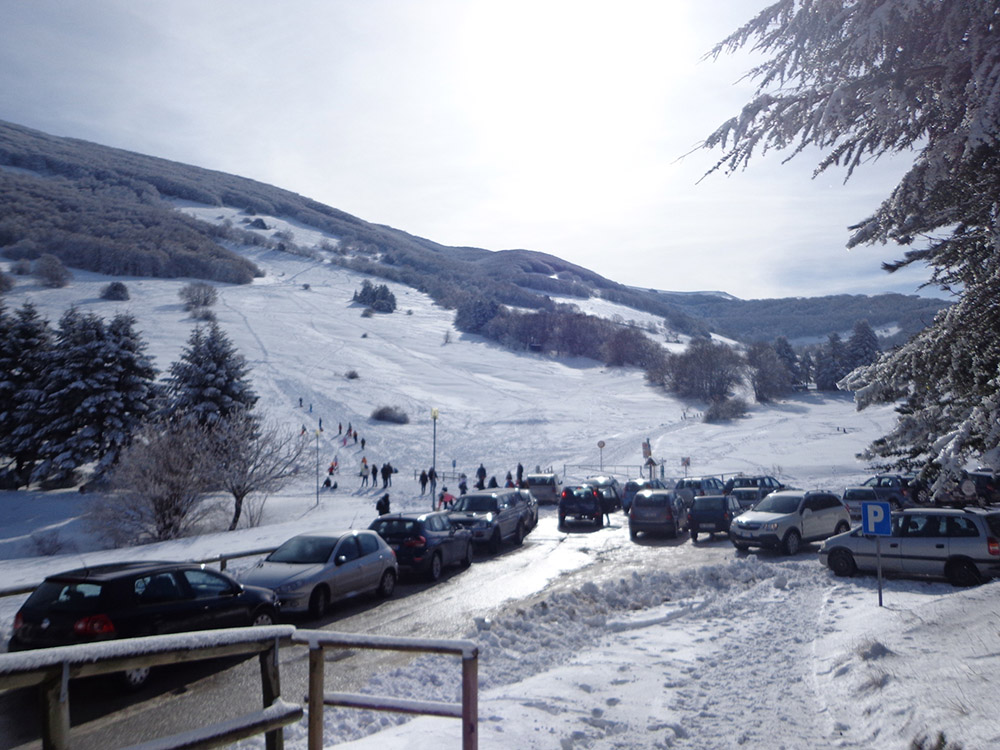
(876, 519)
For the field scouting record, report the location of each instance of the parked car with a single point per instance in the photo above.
(634, 485)
(961, 545)
(747, 497)
(545, 487)
(583, 502)
(899, 490)
(689, 488)
(980, 487)
(609, 490)
(310, 571)
(493, 517)
(765, 483)
(785, 519)
(530, 509)
(712, 514)
(425, 543)
(854, 496)
(656, 512)
(126, 600)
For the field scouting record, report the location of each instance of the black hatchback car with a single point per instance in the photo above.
(125, 600)
(425, 542)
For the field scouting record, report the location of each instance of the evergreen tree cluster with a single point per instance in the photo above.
(859, 80)
(378, 298)
(76, 394)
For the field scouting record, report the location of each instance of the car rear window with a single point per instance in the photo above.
(395, 527)
(653, 500)
(709, 503)
(993, 522)
(67, 596)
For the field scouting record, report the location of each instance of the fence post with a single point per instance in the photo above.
(270, 683)
(55, 699)
(470, 700)
(316, 664)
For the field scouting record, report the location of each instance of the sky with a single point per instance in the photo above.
(570, 128)
(667, 645)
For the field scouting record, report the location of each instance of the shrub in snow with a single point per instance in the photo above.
(51, 271)
(390, 414)
(198, 294)
(723, 411)
(352, 375)
(115, 291)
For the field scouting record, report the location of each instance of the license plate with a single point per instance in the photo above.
(707, 526)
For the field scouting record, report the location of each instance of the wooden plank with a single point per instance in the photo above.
(397, 705)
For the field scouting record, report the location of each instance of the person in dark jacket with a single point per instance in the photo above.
(382, 504)
(423, 481)
(481, 477)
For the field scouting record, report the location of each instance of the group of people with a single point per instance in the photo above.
(374, 472)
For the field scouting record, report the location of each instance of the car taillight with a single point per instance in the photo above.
(993, 546)
(415, 542)
(94, 625)
(18, 621)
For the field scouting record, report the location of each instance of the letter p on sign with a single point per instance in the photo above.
(875, 519)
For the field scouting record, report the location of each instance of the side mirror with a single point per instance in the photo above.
(339, 560)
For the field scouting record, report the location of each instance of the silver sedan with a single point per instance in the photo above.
(310, 571)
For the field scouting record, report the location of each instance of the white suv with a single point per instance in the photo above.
(785, 519)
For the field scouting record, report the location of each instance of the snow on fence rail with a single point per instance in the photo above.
(51, 669)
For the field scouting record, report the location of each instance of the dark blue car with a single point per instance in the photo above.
(425, 542)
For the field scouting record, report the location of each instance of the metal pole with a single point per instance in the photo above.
(878, 558)
(317, 467)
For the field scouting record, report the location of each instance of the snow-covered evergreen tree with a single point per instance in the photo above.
(862, 346)
(787, 355)
(210, 381)
(25, 341)
(858, 79)
(832, 363)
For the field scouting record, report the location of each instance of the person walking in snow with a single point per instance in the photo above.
(382, 504)
(508, 480)
(364, 473)
(432, 479)
(481, 477)
(362, 443)
(463, 484)
(520, 474)
(356, 438)
(423, 481)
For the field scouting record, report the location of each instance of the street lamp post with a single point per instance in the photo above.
(317, 467)
(434, 449)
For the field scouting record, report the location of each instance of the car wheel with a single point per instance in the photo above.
(894, 504)
(495, 542)
(434, 569)
(263, 617)
(792, 543)
(633, 533)
(599, 520)
(467, 560)
(387, 585)
(841, 528)
(562, 520)
(133, 679)
(962, 573)
(319, 602)
(694, 537)
(841, 562)
(741, 548)
(519, 534)
(923, 496)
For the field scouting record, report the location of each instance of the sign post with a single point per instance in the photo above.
(876, 520)
(600, 445)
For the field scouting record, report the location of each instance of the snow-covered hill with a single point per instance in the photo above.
(758, 652)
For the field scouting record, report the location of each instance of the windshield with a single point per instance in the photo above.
(476, 504)
(779, 504)
(304, 550)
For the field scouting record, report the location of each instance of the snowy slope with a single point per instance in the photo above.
(758, 652)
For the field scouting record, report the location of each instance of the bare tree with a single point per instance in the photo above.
(767, 373)
(254, 459)
(198, 294)
(159, 486)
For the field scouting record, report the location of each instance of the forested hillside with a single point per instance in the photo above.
(107, 210)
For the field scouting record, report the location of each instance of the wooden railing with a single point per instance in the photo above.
(467, 710)
(52, 669)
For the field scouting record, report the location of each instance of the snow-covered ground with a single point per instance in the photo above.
(759, 651)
